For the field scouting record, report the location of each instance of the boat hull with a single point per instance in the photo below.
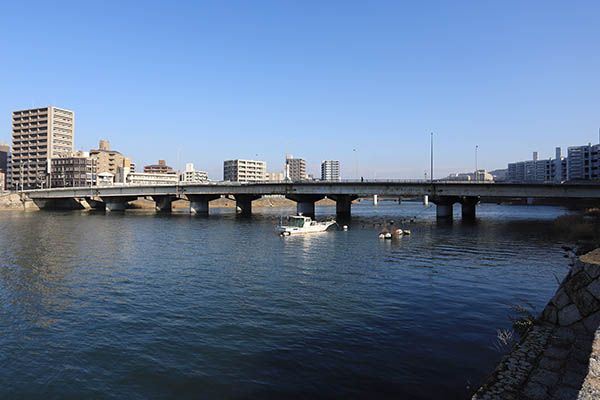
(320, 227)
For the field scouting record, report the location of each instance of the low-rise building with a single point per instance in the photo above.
(481, 175)
(76, 169)
(458, 177)
(244, 171)
(4, 164)
(123, 171)
(275, 176)
(105, 179)
(107, 160)
(160, 168)
(193, 175)
(147, 178)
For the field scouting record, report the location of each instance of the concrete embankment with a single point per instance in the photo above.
(559, 358)
(12, 201)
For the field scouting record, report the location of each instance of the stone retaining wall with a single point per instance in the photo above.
(560, 356)
(577, 300)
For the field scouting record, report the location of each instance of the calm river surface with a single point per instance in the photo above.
(139, 305)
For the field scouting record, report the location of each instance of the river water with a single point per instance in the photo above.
(140, 305)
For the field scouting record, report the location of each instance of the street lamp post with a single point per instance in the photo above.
(355, 162)
(431, 156)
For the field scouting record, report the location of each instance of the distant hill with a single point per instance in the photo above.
(499, 174)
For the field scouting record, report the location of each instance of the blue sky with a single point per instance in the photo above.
(206, 81)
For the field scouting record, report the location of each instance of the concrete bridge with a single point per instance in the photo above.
(305, 194)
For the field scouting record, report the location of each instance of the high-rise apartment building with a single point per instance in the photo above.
(244, 171)
(39, 134)
(295, 168)
(107, 160)
(330, 170)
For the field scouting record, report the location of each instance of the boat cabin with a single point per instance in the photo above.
(298, 221)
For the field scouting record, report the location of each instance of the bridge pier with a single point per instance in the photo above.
(305, 203)
(343, 204)
(444, 206)
(243, 203)
(199, 202)
(469, 205)
(94, 202)
(116, 203)
(164, 203)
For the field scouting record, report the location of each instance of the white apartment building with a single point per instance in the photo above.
(193, 175)
(147, 178)
(330, 170)
(244, 171)
(583, 162)
(38, 135)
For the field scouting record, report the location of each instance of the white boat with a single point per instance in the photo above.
(294, 224)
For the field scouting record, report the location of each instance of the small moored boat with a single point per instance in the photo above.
(294, 224)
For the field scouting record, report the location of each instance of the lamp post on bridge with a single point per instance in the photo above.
(356, 162)
(475, 175)
(431, 156)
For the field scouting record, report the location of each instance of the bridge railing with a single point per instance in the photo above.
(317, 182)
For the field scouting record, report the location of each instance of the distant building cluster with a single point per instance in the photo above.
(582, 163)
(294, 171)
(43, 156)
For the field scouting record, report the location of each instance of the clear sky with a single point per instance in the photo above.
(364, 82)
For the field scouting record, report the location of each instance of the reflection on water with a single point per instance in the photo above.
(140, 304)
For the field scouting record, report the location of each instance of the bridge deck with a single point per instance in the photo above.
(361, 189)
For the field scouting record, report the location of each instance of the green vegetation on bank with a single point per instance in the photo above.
(582, 229)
